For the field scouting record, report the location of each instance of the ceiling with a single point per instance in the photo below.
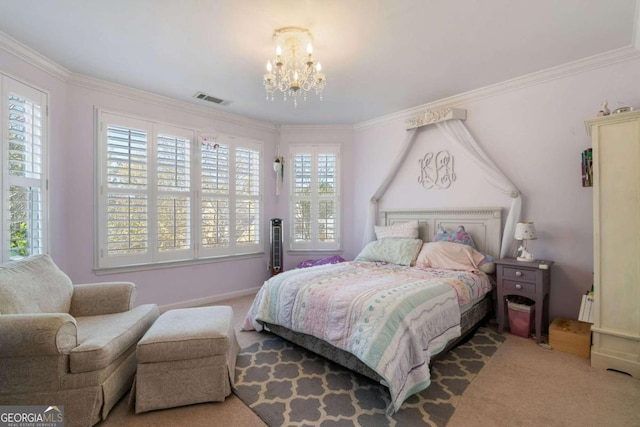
(380, 56)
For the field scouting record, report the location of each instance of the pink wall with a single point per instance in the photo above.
(54, 84)
(165, 285)
(535, 135)
(319, 135)
(71, 179)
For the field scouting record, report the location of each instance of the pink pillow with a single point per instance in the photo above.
(461, 236)
(449, 255)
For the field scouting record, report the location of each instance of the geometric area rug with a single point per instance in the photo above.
(286, 385)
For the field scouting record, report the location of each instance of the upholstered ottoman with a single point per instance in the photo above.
(188, 356)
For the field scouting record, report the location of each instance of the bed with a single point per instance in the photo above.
(380, 315)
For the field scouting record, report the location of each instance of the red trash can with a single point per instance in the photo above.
(521, 311)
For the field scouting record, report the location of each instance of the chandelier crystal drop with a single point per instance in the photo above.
(294, 70)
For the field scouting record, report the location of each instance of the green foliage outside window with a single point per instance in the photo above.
(18, 242)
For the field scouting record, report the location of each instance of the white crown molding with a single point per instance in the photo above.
(554, 73)
(43, 63)
(166, 102)
(34, 58)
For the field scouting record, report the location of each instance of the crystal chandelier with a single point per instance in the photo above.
(293, 70)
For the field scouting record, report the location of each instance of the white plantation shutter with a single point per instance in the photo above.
(215, 197)
(24, 201)
(231, 197)
(327, 223)
(128, 224)
(302, 172)
(302, 221)
(173, 168)
(125, 198)
(315, 197)
(166, 196)
(247, 197)
(327, 198)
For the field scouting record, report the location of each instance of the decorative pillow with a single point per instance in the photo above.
(487, 266)
(449, 255)
(394, 251)
(407, 230)
(460, 236)
(34, 285)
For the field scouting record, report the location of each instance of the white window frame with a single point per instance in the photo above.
(315, 244)
(10, 85)
(234, 248)
(195, 251)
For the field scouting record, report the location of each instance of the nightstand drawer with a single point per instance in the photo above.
(509, 285)
(519, 274)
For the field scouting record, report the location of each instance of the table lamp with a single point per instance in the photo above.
(525, 231)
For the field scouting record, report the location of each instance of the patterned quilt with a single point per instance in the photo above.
(393, 318)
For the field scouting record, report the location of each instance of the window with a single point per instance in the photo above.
(231, 197)
(165, 197)
(315, 197)
(24, 177)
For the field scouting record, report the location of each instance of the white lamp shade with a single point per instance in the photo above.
(525, 231)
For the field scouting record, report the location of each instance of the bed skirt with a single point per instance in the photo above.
(469, 321)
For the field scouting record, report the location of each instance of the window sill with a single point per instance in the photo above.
(314, 251)
(174, 264)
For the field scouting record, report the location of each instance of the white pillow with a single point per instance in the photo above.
(407, 230)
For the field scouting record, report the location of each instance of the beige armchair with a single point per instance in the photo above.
(66, 345)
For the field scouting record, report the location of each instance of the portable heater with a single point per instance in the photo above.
(275, 261)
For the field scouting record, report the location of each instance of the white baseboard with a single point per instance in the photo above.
(208, 300)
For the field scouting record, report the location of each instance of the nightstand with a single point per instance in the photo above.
(528, 279)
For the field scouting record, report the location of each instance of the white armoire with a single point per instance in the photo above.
(616, 232)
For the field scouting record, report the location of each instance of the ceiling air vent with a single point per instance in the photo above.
(203, 96)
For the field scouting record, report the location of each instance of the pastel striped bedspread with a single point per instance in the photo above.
(393, 318)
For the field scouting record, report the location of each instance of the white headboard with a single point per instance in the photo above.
(483, 224)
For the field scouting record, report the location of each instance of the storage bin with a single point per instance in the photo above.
(570, 336)
(521, 311)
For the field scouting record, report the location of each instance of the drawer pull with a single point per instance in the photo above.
(518, 286)
(518, 273)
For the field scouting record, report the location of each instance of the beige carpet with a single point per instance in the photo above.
(521, 385)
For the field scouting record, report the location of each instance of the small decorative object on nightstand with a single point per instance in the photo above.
(531, 280)
(525, 231)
